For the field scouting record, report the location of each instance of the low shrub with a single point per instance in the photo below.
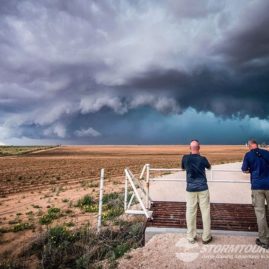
(81, 248)
(22, 226)
(87, 203)
(85, 248)
(53, 213)
(112, 206)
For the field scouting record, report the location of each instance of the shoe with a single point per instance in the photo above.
(193, 240)
(207, 241)
(261, 244)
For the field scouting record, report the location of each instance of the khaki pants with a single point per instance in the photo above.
(193, 199)
(258, 201)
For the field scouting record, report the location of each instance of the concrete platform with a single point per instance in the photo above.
(231, 209)
(151, 231)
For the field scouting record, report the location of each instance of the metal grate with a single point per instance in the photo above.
(232, 217)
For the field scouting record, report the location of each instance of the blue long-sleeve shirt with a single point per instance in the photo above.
(256, 162)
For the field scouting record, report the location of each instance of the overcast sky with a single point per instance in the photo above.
(134, 72)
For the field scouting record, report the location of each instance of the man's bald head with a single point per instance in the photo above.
(252, 144)
(195, 146)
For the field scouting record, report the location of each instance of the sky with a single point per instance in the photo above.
(134, 72)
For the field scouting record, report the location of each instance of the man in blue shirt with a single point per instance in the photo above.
(197, 192)
(256, 162)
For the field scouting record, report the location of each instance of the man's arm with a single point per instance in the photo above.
(245, 166)
(266, 156)
(207, 164)
(183, 163)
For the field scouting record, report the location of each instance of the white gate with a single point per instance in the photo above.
(138, 192)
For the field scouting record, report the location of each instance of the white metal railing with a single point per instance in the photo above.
(99, 217)
(214, 181)
(147, 169)
(136, 186)
(145, 173)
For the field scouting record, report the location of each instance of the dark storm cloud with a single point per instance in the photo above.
(66, 66)
(248, 41)
(210, 90)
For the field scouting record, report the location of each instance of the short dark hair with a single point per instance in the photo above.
(195, 140)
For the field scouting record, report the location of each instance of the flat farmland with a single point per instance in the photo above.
(75, 164)
(35, 185)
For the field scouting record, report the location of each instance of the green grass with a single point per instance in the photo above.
(85, 201)
(19, 150)
(53, 213)
(67, 246)
(87, 204)
(22, 226)
(112, 206)
(3, 230)
(84, 248)
(59, 236)
(108, 197)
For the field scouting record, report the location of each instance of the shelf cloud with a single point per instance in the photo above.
(109, 71)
